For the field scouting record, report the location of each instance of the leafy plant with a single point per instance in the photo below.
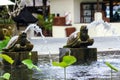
(5, 19)
(67, 61)
(4, 42)
(45, 23)
(29, 64)
(7, 58)
(111, 66)
(6, 76)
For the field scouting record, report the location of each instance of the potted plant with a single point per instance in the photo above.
(46, 24)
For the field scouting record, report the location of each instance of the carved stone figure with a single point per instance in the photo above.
(19, 44)
(79, 39)
(5, 32)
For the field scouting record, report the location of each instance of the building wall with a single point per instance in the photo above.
(94, 31)
(61, 6)
(72, 6)
(76, 11)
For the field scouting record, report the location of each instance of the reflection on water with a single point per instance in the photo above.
(94, 71)
(18, 73)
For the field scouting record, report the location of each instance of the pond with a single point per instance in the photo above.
(108, 51)
(95, 71)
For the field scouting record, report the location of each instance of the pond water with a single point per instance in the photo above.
(93, 71)
(108, 51)
(52, 45)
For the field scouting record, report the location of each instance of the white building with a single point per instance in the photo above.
(73, 6)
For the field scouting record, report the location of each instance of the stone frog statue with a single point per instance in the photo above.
(79, 39)
(19, 44)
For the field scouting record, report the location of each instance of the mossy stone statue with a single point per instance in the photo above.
(77, 46)
(20, 48)
(79, 39)
(20, 44)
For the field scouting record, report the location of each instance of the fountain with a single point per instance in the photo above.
(95, 71)
(19, 47)
(107, 51)
(78, 43)
(100, 28)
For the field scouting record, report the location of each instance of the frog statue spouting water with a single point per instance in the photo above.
(19, 44)
(79, 39)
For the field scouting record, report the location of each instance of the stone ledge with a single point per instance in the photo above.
(19, 56)
(83, 55)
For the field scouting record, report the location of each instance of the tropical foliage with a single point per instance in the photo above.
(45, 23)
(4, 42)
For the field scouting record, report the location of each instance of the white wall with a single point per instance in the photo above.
(94, 31)
(76, 11)
(61, 6)
(73, 6)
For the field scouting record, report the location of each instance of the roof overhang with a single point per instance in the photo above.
(6, 2)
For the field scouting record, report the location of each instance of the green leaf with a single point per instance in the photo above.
(7, 58)
(55, 63)
(4, 42)
(6, 76)
(36, 68)
(111, 66)
(29, 64)
(47, 23)
(69, 59)
(61, 64)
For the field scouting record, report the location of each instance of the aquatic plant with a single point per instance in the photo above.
(67, 61)
(4, 42)
(111, 66)
(5, 76)
(29, 63)
(7, 58)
